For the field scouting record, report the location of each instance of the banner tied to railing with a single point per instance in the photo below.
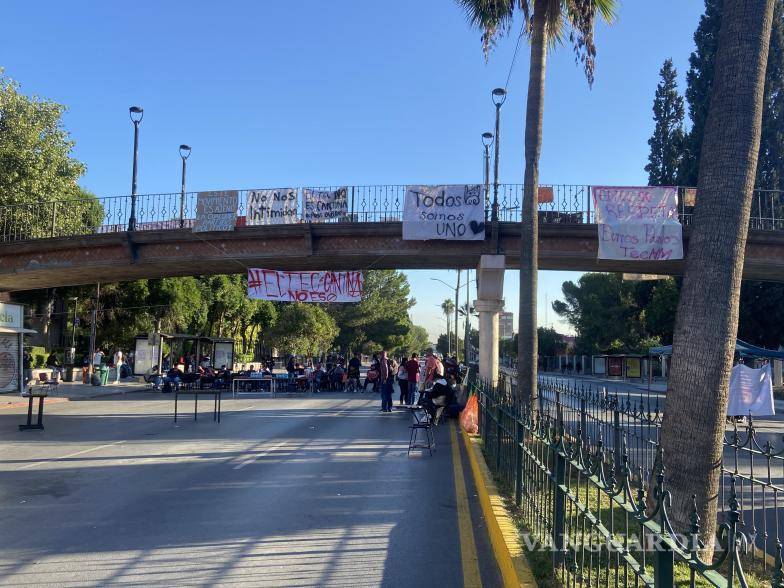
(444, 212)
(264, 284)
(216, 211)
(638, 223)
(321, 205)
(272, 207)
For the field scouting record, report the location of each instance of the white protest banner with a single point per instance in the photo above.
(751, 392)
(216, 211)
(271, 207)
(444, 212)
(266, 284)
(322, 205)
(638, 223)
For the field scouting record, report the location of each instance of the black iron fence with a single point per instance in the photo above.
(579, 466)
(558, 204)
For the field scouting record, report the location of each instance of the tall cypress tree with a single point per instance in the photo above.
(770, 167)
(699, 80)
(667, 140)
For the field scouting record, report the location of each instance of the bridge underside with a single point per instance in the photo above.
(112, 257)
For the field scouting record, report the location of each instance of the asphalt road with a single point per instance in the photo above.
(282, 492)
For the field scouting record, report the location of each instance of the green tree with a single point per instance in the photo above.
(707, 319)
(380, 318)
(545, 23)
(417, 340)
(304, 329)
(551, 342)
(666, 143)
(38, 176)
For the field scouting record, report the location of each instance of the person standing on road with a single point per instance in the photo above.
(118, 361)
(402, 381)
(387, 378)
(412, 367)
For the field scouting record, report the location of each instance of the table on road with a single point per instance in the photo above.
(216, 408)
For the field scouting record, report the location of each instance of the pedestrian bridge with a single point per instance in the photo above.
(50, 245)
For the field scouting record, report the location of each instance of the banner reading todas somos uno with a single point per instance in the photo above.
(264, 284)
(638, 223)
(323, 205)
(272, 207)
(444, 212)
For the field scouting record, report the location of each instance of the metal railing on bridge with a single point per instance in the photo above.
(598, 501)
(558, 204)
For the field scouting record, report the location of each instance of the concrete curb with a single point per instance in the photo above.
(508, 550)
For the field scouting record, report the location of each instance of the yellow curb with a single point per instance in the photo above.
(512, 562)
(468, 555)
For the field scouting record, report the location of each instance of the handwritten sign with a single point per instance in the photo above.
(324, 205)
(216, 211)
(638, 223)
(266, 284)
(9, 362)
(444, 212)
(272, 207)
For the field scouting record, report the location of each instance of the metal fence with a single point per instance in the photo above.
(558, 204)
(579, 466)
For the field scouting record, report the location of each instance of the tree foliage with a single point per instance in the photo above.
(304, 329)
(380, 320)
(38, 175)
(611, 315)
(667, 140)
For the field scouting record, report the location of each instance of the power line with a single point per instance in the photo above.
(514, 56)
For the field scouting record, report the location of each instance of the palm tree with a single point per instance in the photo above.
(546, 22)
(707, 320)
(448, 307)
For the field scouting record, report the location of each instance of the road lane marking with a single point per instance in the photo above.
(468, 555)
(264, 453)
(70, 455)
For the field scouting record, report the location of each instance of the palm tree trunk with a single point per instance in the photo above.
(707, 320)
(529, 230)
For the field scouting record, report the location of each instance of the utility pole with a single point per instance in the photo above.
(457, 308)
(93, 330)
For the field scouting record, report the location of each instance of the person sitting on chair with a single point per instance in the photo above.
(153, 376)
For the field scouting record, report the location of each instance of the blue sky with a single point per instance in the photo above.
(340, 92)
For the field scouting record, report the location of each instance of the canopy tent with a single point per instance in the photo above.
(741, 347)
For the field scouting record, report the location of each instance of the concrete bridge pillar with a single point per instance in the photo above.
(490, 277)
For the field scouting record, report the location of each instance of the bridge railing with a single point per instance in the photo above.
(558, 204)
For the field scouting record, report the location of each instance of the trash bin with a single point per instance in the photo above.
(104, 374)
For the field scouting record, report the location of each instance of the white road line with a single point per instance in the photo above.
(70, 455)
(258, 455)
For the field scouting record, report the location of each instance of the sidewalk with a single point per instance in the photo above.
(68, 391)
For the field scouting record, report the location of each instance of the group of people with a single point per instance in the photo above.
(435, 381)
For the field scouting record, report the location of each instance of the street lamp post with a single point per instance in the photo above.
(499, 96)
(457, 290)
(136, 114)
(185, 153)
(487, 141)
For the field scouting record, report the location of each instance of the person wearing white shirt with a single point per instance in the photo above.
(118, 361)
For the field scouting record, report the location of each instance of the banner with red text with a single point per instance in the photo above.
(638, 223)
(264, 284)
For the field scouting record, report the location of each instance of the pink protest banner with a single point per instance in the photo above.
(638, 223)
(264, 284)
